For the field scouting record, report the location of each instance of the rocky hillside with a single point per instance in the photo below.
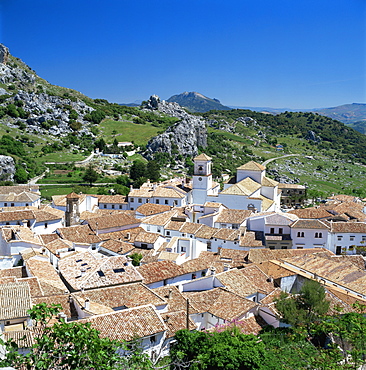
(181, 139)
(26, 100)
(196, 102)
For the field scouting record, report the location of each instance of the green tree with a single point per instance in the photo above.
(224, 350)
(136, 258)
(137, 170)
(153, 171)
(71, 346)
(304, 308)
(21, 175)
(90, 175)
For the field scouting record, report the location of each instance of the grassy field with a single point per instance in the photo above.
(127, 131)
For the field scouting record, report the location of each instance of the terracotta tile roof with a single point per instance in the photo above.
(262, 255)
(59, 200)
(64, 301)
(56, 245)
(127, 235)
(169, 192)
(111, 199)
(356, 259)
(18, 272)
(312, 212)
(266, 202)
(48, 277)
(72, 195)
(148, 209)
(221, 303)
(190, 228)
(47, 238)
(173, 297)
(206, 261)
(146, 237)
(42, 216)
(274, 270)
(79, 234)
(206, 232)
(29, 253)
(117, 246)
(126, 296)
(112, 221)
(163, 218)
(159, 271)
(348, 227)
(90, 270)
(249, 240)
(17, 215)
(280, 218)
(227, 234)
(18, 189)
(244, 187)
(177, 321)
(309, 224)
(213, 205)
(233, 216)
(339, 271)
(174, 225)
(20, 197)
(266, 181)
(15, 300)
(246, 281)
(252, 166)
(202, 157)
(271, 297)
(344, 198)
(23, 338)
(127, 324)
(291, 186)
(34, 286)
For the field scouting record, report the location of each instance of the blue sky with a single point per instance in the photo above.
(258, 53)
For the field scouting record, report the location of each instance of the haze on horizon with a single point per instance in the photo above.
(284, 54)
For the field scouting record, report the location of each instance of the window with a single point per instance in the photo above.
(120, 206)
(223, 225)
(168, 233)
(131, 200)
(300, 234)
(26, 204)
(352, 238)
(112, 206)
(339, 237)
(165, 282)
(158, 230)
(105, 206)
(208, 246)
(153, 339)
(203, 273)
(45, 225)
(166, 201)
(280, 230)
(183, 249)
(300, 191)
(284, 247)
(175, 202)
(5, 204)
(363, 238)
(12, 204)
(131, 208)
(194, 276)
(271, 230)
(140, 200)
(157, 201)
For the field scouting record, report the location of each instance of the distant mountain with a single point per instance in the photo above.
(196, 102)
(347, 113)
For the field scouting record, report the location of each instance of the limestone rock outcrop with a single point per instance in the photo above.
(183, 138)
(7, 168)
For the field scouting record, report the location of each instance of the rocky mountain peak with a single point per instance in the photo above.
(183, 138)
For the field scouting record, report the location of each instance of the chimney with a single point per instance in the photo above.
(170, 295)
(82, 272)
(226, 267)
(128, 261)
(219, 251)
(62, 316)
(87, 304)
(128, 236)
(212, 270)
(25, 222)
(96, 228)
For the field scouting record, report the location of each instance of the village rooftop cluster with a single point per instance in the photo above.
(208, 257)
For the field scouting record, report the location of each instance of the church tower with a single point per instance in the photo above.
(72, 213)
(202, 178)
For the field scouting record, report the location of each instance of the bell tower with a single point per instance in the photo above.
(202, 178)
